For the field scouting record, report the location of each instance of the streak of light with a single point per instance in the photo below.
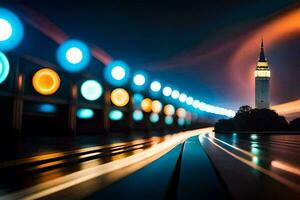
(287, 108)
(89, 155)
(141, 159)
(253, 164)
(286, 167)
(45, 26)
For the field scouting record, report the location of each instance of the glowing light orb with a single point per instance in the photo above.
(196, 103)
(180, 112)
(155, 86)
(4, 67)
(73, 55)
(46, 81)
(119, 97)
(117, 73)
(6, 30)
(156, 106)
(91, 90)
(137, 115)
(168, 120)
(253, 136)
(146, 105)
(180, 121)
(11, 30)
(154, 118)
(137, 99)
(175, 94)
(189, 100)
(169, 110)
(182, 97)
(115, 115)
(84, 113)
(139, 79)
(167, 91)
(46, 108)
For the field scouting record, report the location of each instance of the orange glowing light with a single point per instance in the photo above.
(169, 110)
(287, 108)
(119, 97)
(156, 106)
(146, 105)
(46, 81)
(181, 113)
(286, 167)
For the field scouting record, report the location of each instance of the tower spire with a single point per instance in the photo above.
(262, 57)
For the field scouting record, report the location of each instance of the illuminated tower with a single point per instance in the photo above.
(262, 81)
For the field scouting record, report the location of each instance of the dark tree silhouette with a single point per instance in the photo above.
(248, 119)
(295, 124)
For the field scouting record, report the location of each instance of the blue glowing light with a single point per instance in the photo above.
(115, 115)
(85, 113)
(154, 118)
(168, 120)
(4, 67)
(117, 73)
(73, 55)
(137, 115)
(180, 121)
(139, 81)
(155, 86)
(167, 91)
(11, 30)
(91, 90)
(46, 108)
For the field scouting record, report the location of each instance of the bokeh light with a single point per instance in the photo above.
(119, 97)
(155, 86)
(156, 106)
(91, 90)
(180, 112)
(175, 94)
(46, 108)
(137, 115)
(168, 120)
(167, 91)
(4, 67)
(180, 121)
(84, 113)
(137, 100)
(73, 55)
(196, 103)
(182, 97)
(115, 115)
(117, 73)
(11, 30)
(189, 100)
(139, 81)
(154, 118)
(46, 81)
(169, 109)
(146, 105)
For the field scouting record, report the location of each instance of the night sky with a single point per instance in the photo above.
(208, 50)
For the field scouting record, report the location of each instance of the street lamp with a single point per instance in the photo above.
(117, 73)
(11, 30)
(4, 67)
(73, 55)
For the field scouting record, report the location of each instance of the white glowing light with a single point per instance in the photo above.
(189, 100)
(167, 91)
(196, 103)
(5, 30)
(118, 73)
(175, 94)
(182, 97)
(155, 86)
(74, 55)
(139, 79)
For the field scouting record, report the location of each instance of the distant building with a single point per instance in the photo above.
(262, 81)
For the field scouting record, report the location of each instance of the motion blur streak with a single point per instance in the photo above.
(281, 27)
(285, 167)
(267, 172)
(287, 108)
(140, 159)
(49, 29)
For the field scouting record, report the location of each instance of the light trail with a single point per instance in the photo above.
(285, 167)
(138, 160)
(252, 164)
(288, 108)
(49, 29)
